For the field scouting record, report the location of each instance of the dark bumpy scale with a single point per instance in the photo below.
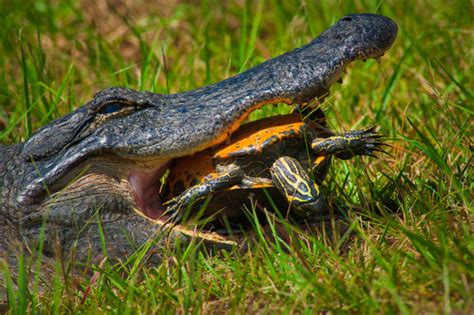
(122, 141)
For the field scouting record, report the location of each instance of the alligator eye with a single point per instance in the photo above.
(347, 18)
(111, 108)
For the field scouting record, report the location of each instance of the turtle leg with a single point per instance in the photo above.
(349, 144)
(177, 206)
(290, 178)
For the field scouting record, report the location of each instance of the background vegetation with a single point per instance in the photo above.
(408, 243)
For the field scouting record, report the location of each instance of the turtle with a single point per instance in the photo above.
(287, 155)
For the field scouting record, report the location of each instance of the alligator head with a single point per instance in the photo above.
(103, 162)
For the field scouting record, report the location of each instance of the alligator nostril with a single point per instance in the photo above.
(347, 18)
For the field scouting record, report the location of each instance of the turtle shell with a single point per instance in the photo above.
(253, 138)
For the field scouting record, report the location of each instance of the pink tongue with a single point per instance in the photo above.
(145, 186)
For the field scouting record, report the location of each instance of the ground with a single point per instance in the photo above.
(408, 245)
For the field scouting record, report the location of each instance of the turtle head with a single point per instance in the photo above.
(302, 193)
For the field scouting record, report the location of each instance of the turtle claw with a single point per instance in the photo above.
(173, 212)
(355, 142)
(178, 208)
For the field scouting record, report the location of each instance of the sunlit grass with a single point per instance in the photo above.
(406, 244)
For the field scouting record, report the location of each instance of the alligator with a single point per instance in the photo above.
(94, 172)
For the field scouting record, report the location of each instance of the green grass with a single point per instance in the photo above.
(407, 245)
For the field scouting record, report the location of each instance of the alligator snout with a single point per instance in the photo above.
(362, 36)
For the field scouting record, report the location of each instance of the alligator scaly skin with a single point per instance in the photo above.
(81, 165)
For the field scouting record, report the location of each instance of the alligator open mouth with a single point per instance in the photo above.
(145, 183)
(146, 187)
